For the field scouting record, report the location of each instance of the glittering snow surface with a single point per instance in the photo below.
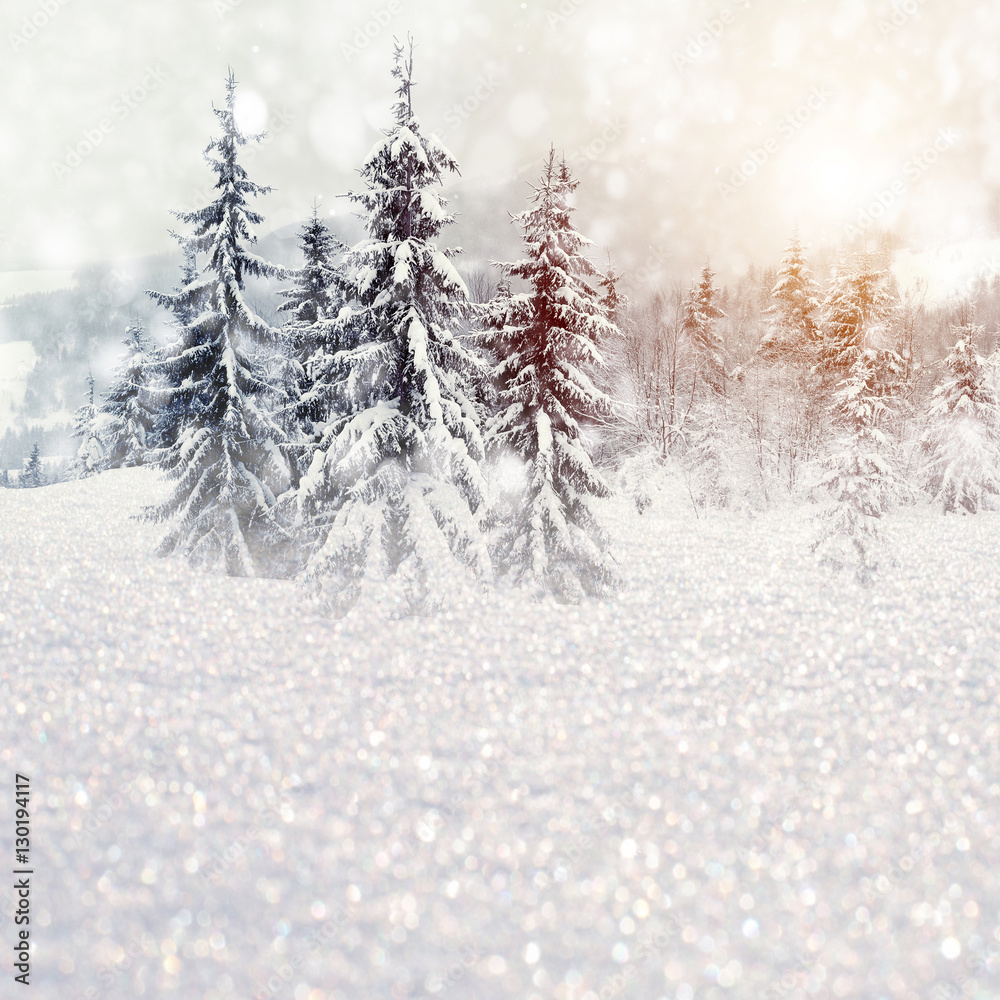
(737, 777)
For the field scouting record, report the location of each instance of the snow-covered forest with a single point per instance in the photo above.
(398, 433)
(537, 614)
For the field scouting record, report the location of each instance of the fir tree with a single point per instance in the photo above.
(793, 332)
(314, 302)
(224, 444)
(963, 442)
(130, 424)
(32, 476)
(615, 302)
(860, 481)
(545, 339)
(169, 407)
(700, 314)
(856, 312)
(393, 489)
(90, 453)
(4, 479)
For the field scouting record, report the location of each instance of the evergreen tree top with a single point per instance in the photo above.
(223, 230)
(701, 305)
(223, 223)
(614, 300)
(555, 248)
(966, 388)
(560, 322)
(402, 70)
(401, 169)
(312, 294)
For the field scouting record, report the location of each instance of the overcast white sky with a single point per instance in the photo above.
(673, 128)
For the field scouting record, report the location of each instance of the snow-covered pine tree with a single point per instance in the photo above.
(700, 314)
(90, 452)
(314, 300)
(615, 301)
(130, 422)
(793, 331)
(4, 479)
(860, 480)
(224, 450)
(856, 314)
(168, 406)
(547, 537)
(32, 476)
(963, 440)
(393, 490)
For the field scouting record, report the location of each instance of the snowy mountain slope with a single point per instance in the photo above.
(736, 777)
(948, 272)
(17, 359)
(15, 283)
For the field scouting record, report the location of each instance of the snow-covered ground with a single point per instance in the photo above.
(737, 779)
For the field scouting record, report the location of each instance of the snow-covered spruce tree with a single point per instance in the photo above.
(963, 440)
(391, 496)
(90, 452)
(856, 314)
(313, 302)
(224, 450)
(547, 537)
(169, 407)
(32, 476)
(700, 314)
(615, 301)
(130, 420)
(860, 481)
(793, 332)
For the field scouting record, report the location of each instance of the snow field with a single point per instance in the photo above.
(741, 777)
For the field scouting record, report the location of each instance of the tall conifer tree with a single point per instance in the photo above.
(547, 538)
(224, 442)
(393, 490)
